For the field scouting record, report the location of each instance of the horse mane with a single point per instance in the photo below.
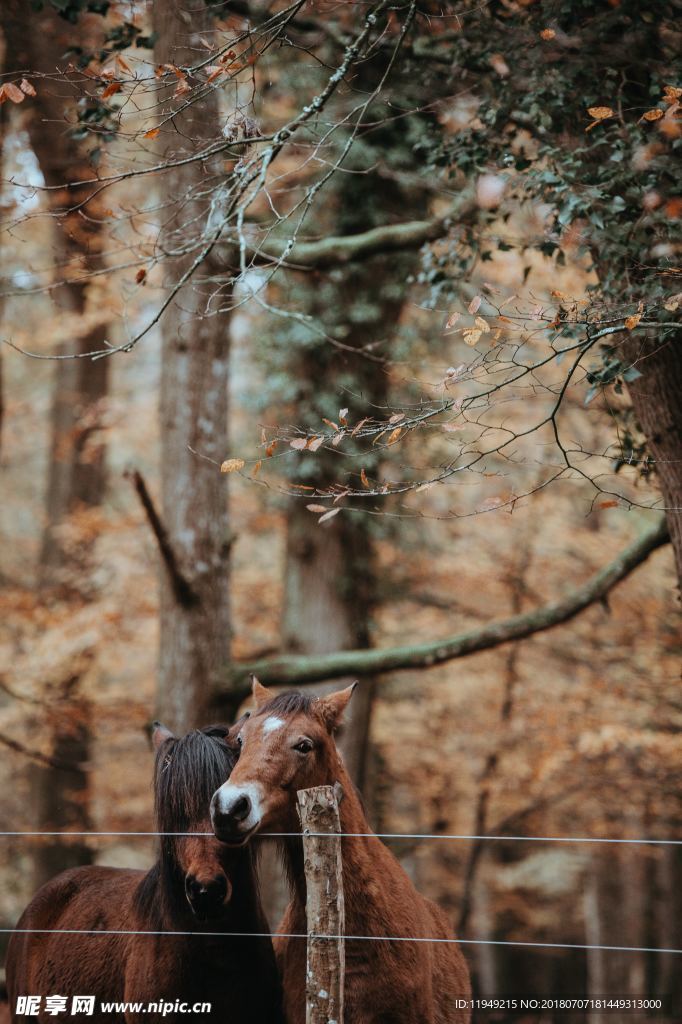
(291, 703)
(187, 771)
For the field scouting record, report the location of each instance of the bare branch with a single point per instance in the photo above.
(299, 669)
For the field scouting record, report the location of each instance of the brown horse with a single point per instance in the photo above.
(198, 887)
(288, 745)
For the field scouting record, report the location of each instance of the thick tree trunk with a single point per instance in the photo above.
(195, 634)
(76, 482)
(657, 401)
(38, 40)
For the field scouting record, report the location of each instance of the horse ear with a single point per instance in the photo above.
(331, 708)
(160, 734)
(260, 695)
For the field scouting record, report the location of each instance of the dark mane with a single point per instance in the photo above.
(187, 772)
(291, 703)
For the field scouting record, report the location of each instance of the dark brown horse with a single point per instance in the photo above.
(197, 886)
(287, 745)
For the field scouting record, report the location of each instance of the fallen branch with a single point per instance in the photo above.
(182, 589)
(298, 669)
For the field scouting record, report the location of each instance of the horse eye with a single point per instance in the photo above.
(239, 741)
(303, 746)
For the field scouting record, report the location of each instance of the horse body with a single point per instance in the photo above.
(386, 982)
(196, 886)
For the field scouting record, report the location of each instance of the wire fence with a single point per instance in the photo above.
(370, 835)
(459, 837)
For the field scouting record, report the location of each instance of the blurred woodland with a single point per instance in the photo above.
(355, 328)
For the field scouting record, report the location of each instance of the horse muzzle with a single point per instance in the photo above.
(235, 813)
(207, 897)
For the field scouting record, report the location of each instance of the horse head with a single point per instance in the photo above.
(188, 769)
(287, 744)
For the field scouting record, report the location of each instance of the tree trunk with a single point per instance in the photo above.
(76, 482)
(195, 634)
(38, 40)
(657, 401)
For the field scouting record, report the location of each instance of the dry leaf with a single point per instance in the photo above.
(358, 426)
(471, 335)
(299, 443)
(232, 465)
(365, 481)
(397, 417)
(213, 71)
(499, 64)
(548, 33)
(632, 321)
(343, 413)
(26, 87)
(181, 89)
(394, 435)
(10, 91)
(452, 320)
(140, 275)
(270, 449)
(425, 487)
(112, 88)
(152, 133)
(600, 113)
(122, 64)
(673, 302)
(475, 304)
(608, 504)
(316, 443)
(330, 423)
(336, 438)
(316, 508)
(256, 469)
(482, 325)
(652, 115)
(328, 515)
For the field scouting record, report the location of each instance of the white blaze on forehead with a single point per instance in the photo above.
(272, 723)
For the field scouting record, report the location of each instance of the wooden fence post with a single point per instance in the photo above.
(318, 809)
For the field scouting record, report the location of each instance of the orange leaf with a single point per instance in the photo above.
(632, 321)
(232, 465)
(608, 504)
(548, 33)
(363, 477)
(10, 91)
(112, 88)
(256, 468)
(26, 87)
(474, 304)
(394, 435)
(652, 115)
(600, 113)
(152, 133)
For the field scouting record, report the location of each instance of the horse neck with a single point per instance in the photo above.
(361, 853)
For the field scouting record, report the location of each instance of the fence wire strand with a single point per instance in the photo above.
(369, 835)
(346, 938)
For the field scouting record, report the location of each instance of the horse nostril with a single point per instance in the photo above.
(241, 808)
(206, 895)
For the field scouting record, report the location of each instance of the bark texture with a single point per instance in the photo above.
(657, 401)
(195, 634)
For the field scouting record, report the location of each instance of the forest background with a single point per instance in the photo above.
(342, 340)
